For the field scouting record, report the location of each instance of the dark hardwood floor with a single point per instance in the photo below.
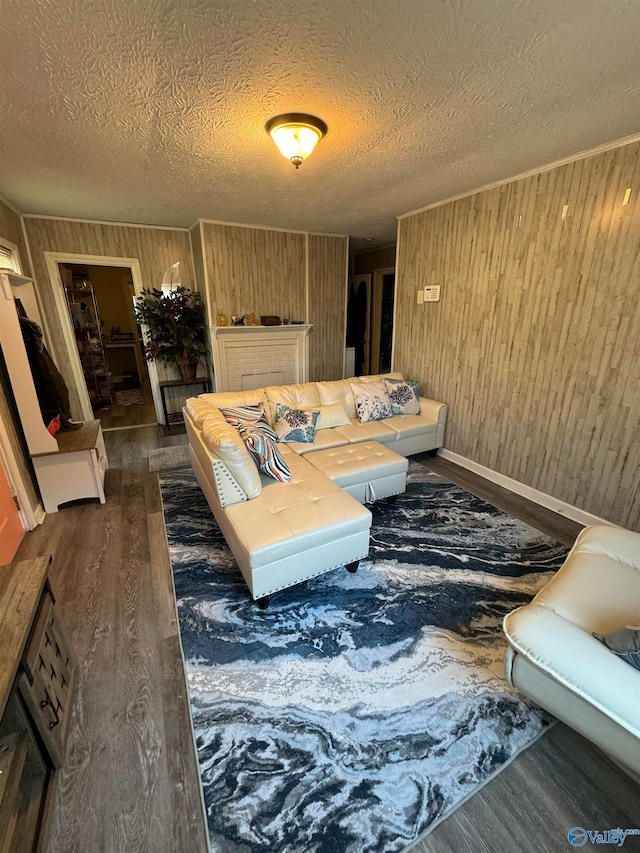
(119, 416)
(130, 781)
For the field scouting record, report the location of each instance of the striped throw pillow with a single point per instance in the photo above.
(266, 455)
(248, 417)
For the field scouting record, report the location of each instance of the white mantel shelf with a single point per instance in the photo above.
(247, 357)
(243, 330)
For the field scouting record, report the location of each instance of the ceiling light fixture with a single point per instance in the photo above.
(296, 134)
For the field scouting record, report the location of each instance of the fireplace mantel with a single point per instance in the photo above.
(247, 357)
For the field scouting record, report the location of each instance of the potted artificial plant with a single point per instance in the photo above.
(175, 327)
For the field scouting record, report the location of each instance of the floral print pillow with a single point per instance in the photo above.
(296, 424)
(402, 395)
(372, 401)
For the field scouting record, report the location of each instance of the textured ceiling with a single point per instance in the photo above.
(153, 111)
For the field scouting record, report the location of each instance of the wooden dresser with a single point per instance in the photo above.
(36, 692)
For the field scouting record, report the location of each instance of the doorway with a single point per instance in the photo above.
(383, 298)
(370, 321)
(358, 325)
(100, 303)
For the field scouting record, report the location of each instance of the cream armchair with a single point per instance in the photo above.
(555, 660)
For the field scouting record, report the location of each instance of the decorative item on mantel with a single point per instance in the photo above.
(250, 320)
(175, 327)
(221, 320)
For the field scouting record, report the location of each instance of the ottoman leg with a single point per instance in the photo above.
(352, 567)
(263, 602)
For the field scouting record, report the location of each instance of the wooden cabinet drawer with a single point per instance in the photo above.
(46, 680)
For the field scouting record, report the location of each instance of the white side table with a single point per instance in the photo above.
(76, 470)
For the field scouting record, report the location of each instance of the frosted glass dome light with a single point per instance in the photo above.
(296, 135)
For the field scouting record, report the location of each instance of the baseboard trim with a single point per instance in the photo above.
(541, 498)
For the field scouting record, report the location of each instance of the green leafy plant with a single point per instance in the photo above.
(175, 327)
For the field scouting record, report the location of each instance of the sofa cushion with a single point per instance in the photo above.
(200, 408)
(338, 391)
(598, 587)
(265, 453)
(295, 424)
(332, 416)
(323, 439)
(291, 518)
(303, 395)
(236, 398)
(378, 377)
(404, 399)
(371, 431)
(408, 426)
(372, 401)
(224, 441)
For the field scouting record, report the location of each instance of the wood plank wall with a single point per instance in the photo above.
(11, 229)
(535, 344)
(254, 271)
(327, 295)
(259, 271)
(156, 248)
(376, 259)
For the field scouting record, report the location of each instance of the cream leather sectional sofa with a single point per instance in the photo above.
(282, 533)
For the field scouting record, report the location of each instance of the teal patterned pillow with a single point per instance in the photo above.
(296, 424)
(404, 400)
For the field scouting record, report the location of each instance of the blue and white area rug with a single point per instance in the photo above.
(358, 710)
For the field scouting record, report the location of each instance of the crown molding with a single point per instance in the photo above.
(104, 222)
(582, 155)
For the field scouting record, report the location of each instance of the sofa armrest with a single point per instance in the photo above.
(436, 412)
(578, 661)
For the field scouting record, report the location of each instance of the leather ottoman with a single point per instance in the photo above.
(368, 470)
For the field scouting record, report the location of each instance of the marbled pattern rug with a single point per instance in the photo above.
(359, 709)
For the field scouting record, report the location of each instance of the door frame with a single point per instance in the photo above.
(52, 259)
(376, 313)
(354, 280)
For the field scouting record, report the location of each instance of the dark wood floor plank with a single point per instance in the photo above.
(118, 415)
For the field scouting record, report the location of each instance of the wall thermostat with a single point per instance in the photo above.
(432, 293)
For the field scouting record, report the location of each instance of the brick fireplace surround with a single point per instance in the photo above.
(247, 357)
